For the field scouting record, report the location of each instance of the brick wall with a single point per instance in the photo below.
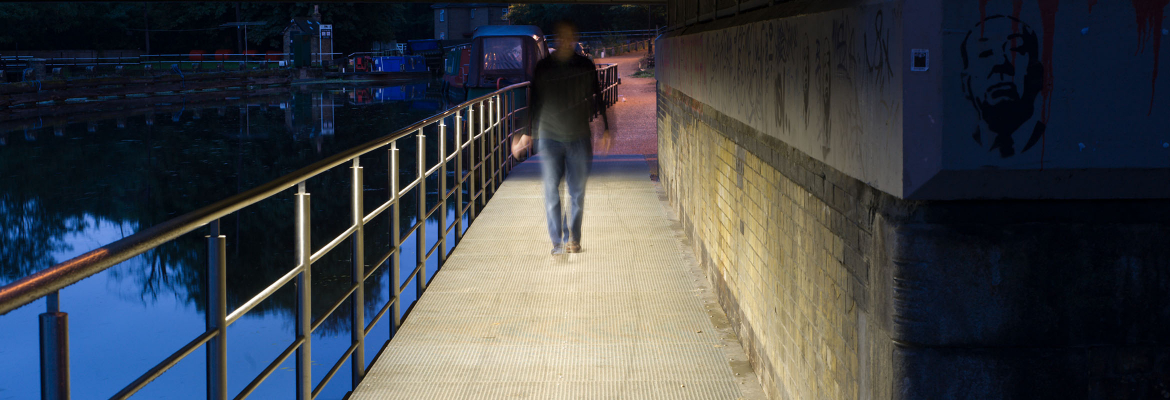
(788, 247)
(841, 291)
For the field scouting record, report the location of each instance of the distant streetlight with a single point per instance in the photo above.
(245, 25)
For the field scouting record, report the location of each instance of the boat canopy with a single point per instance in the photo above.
(507, 30)
(502, 55)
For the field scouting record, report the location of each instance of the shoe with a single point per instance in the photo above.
(558, 249)
(573, 247)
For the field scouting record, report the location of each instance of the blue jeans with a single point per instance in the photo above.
(570, 162)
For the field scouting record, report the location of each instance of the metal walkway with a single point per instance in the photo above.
(630, 317)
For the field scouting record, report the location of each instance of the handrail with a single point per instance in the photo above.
(52, 279)
(484, 136)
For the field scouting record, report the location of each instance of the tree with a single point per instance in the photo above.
(181, 27)
(589, 17)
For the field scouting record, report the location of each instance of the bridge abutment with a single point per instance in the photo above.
(869, 234)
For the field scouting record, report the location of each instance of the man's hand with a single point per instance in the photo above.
(605, 143)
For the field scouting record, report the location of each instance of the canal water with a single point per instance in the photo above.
(72, 183)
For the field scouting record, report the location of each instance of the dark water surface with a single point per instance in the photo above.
(70, 188)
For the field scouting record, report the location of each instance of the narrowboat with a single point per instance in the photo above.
(498, 56)
(377, 95)
(405, 67)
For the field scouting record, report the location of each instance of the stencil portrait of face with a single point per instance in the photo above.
(1002, 77)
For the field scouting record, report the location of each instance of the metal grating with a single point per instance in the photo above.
(628, 318)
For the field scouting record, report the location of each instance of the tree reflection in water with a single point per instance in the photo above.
(126, 168)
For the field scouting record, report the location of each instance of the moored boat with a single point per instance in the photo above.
(498, 56)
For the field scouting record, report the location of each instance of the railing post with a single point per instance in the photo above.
(395, 234)
(420, 237)
(304, 312)
(471, 161)
(508, 129)
(442, 240)
(499, 143)
(490, 140)
(54, 350)
(217, 312)
(357, 303)
(483, 159)
(528, 114)
(458, 176)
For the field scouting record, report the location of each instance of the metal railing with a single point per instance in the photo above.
(620, 49)
(607, 76)
(482, 127)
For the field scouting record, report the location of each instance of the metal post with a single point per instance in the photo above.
(420, 237)
(471, 161)
(54, 350)
(508, 131)
(458, 177)
(483, 159)
(395, 234)
(357, 303)
(304, 314)
(528, 113)
(217, 313)
(442, 240)
(499, 144)
(490, 139)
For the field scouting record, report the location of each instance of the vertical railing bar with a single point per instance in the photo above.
(395, 233)
(304, 296)
(511, 125)
(483, 144)
(442, 240)
(216, 315)
(471, 167)
(490, 140)
(357, 302)
(528, 114)
(458, 177)
(54, 332)
(508, 129)
(420, 238)
(498, 154)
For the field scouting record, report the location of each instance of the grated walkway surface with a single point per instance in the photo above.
(630, 317)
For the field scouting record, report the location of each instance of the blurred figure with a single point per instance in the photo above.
(565, 93)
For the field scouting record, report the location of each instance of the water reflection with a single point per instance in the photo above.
(73, 181)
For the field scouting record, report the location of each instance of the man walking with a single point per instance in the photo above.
(565, 93)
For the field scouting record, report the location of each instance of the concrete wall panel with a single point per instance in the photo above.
(1050, 84)
(828, 84)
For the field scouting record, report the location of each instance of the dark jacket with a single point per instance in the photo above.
(564, 96)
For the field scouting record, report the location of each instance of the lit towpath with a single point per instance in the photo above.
(630, 317)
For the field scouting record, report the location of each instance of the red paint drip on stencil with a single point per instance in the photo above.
(982, 16)
(1149, 24)
(1048, 19)
(1017, 5)
(1091, 4)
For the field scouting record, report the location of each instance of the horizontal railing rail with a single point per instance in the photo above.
(620, 49)
(483, 129)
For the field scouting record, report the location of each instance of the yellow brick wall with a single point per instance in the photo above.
(766, 240)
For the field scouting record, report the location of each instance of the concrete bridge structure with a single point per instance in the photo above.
(903, 199)
(925, 199)
(928, 199)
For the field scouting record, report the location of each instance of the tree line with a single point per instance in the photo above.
(589, 17)
(175, 27)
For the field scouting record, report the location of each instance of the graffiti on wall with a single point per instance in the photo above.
(1051, 84)
(828, 84)
(1002, 77)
